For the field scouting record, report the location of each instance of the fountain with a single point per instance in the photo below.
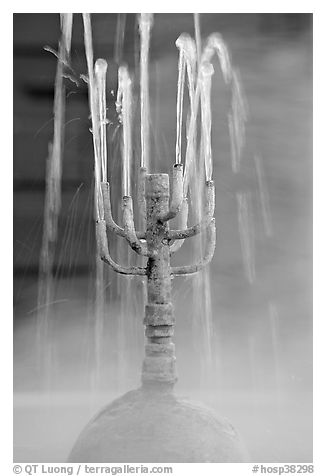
(152, 423)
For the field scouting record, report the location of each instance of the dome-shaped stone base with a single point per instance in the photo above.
(155, 427)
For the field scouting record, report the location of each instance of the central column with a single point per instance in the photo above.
(159, 363)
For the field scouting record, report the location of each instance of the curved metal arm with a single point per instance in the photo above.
(177, 193)
(176, 245)
(191, 269)
(208, 215)
(111, 224)
(105, 186)
(129, 227)
(102, 243)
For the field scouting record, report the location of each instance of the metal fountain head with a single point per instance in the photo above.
(157, 243)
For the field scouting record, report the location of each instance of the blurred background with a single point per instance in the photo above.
(260, 373)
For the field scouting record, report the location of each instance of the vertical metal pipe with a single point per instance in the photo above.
(159, 362)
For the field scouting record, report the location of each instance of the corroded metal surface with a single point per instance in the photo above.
(159, 321)
(157, 242)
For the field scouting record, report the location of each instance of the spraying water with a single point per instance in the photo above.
(246, 234)
(237, 118)
(124, 91)
(119, 37)
(197, 35)
(198, 88)
(52, 202)
(180, 91)
(199, 75)
(97, 102)
(101, 67)
(145, 25)
(264, 200)
(129, 297)
(206, 117)
(191, 140)
(100, 301)
(94, 108)
(187, 62)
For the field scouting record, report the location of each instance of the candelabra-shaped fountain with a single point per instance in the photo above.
(153, 424)
(156, 244)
